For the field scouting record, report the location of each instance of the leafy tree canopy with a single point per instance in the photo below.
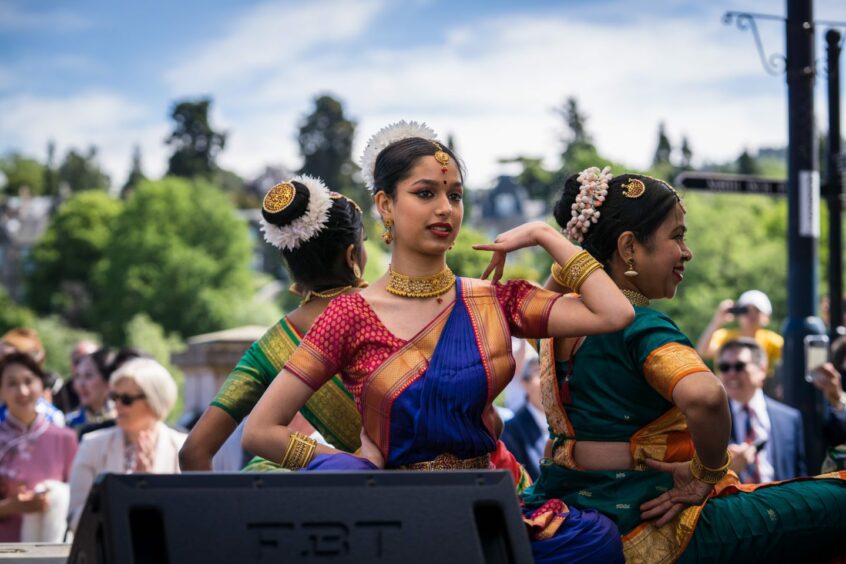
(81, 172)
(181, 255)
(68, 254)
(195, 143)
(21, 172)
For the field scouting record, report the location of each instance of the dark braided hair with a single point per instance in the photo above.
(394, 163)
(642, 215)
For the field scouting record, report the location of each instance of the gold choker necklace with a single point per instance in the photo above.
(636, 298)
(420, 286)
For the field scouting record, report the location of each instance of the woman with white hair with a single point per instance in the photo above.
(144, 393)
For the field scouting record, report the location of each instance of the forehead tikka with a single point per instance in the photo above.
(441, 156)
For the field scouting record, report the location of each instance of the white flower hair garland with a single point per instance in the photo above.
(306, 226)
(384, 137)
(592, 194)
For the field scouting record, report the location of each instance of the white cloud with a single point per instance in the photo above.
(266, 39)
(106, 120)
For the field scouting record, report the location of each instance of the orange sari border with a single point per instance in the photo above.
(668, 364)
(493, 337)
(399, 371)
(556, 415)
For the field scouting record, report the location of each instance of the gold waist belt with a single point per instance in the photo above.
(449, 461)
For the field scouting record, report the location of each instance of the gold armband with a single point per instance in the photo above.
(573, 274)
(299, 452)
(708, 475)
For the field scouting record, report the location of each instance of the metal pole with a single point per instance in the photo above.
(803, 185)
(834, 183)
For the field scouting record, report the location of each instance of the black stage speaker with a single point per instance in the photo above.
(465, 517)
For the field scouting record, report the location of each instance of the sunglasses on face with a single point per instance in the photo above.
(125, 399)
(732, 366)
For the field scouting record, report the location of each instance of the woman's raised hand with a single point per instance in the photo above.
(522, 236)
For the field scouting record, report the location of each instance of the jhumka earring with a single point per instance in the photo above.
(356, 271)
(387, 236)
(631, 272)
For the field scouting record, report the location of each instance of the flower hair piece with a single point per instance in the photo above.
(384, 137)
(308, 225)
(584, 212)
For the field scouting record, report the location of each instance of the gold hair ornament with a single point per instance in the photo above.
(420, 286)
(634, 188)
(336, 196)
(279, 197)
(299, 452)
(708, 475)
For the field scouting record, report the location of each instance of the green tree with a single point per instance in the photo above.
(13, 315)
(747, 164)
(195, 143)
(21, 172)
(51, 176)
(68, 254)
(462, 259)
(136, 174)
(81, 172)
(181, 255)
(687, 154)
(663, 149)
(325, 139)
(538, 181)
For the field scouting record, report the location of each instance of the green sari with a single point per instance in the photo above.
(620, 389)
(331, 410)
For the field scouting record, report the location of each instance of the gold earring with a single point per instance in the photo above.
(631, 272)
(356, 271)
(387, 236)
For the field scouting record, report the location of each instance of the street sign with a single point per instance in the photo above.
(731, 183)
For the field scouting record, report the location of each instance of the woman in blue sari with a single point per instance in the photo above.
(424, 353)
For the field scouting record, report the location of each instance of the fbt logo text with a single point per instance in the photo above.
(323, 540)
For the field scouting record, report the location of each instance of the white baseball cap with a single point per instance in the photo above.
(758, 299)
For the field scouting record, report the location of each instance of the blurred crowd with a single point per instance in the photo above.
(57, 434)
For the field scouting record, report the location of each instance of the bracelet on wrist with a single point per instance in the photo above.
(299, 452)
(708, 475)
(575, 271)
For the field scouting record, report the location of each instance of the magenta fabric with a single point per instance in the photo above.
(28, 457)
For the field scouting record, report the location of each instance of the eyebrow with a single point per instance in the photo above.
(436, 183)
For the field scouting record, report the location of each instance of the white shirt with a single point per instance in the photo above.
(762, 426)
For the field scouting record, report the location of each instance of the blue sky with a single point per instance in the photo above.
(489, 73)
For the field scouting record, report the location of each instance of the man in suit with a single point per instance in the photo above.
(767, 440)
(525, 434)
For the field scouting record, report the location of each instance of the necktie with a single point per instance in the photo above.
(753, 475)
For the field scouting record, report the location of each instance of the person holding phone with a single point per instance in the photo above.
(767, 440)
(828, 378)
(752, 311)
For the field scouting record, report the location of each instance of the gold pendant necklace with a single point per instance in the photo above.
(329, 294)
(636, 298)
(420, 286)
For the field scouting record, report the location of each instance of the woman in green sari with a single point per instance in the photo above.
(640, 425)
(320, 235)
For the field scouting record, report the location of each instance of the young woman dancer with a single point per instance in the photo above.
(425, 353)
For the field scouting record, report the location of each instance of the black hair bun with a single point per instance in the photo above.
(285, 203)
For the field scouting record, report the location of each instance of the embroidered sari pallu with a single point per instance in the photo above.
(428, 405)
(331, 410)
(620, 386)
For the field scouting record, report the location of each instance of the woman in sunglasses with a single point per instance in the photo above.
(640, 426)
(143, 392)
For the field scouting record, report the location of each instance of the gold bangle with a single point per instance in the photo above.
(575, 271)
(708, 475)
(299, 452)
(558, 275)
